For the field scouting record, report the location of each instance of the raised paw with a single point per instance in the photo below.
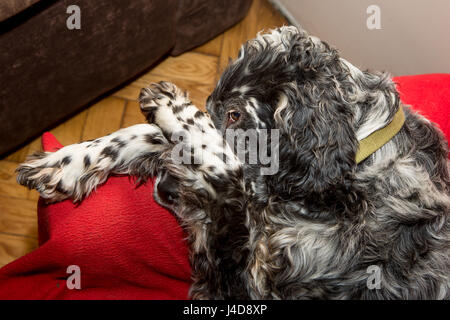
(161, 94)
(165, 105)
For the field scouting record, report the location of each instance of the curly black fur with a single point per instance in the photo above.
(374, 213)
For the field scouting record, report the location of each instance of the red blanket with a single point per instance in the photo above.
(125, 245)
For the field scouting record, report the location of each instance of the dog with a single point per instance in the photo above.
(324, 226)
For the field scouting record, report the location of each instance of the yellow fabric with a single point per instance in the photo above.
(379, 138)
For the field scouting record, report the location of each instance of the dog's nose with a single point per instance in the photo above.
(168, 188)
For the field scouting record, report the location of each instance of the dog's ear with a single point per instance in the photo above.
(315, 121)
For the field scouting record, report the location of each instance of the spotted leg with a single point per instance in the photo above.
(202, 183)
(198, 153)
(75, 170)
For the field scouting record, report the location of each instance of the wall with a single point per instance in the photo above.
(414, 37)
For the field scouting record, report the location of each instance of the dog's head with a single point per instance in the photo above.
(320, 104)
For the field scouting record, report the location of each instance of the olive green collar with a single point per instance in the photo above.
(379, 138)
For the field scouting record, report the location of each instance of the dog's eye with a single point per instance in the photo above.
(234, 116)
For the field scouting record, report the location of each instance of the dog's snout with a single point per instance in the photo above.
(168, 188)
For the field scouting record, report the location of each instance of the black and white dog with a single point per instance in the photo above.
(321, 224)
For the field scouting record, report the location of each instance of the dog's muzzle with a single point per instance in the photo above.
(167, 189)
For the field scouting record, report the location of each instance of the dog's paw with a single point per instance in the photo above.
(162, 94)
(45, 172)
(191, 131)
(165, 105)
(159, 94)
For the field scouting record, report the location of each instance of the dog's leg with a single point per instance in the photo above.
(202, 183)
(74, 171)
(199, 153)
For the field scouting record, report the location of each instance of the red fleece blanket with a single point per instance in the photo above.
(125, 245)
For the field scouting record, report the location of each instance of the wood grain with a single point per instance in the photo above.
(132, 115)
(13, 247)
(103, 118)
(189, 66)
(33, 195)
(71, 131)
(8, 184)
(198, 91)
(212, 47)
(19, 155)
(18, 216)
